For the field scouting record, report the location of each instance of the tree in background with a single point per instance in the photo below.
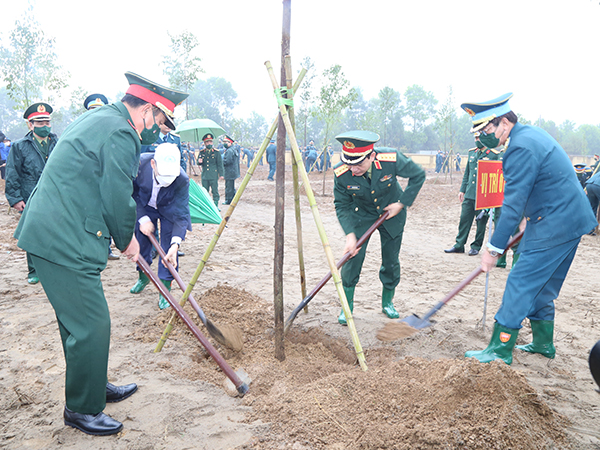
(304, 100)
(446, 121)
(419, 109)
(182, 66)
(29, 65)
(213, 99)
(388, 105)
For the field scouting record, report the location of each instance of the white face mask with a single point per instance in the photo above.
(164, 181)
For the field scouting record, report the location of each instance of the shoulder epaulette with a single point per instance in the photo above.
(497, 152)
(341, 170)
(389, 157)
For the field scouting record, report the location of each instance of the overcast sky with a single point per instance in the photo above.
(544, 51)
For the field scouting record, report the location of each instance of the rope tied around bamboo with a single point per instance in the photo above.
(281, 100)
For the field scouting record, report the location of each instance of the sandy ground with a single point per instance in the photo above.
(419, 392)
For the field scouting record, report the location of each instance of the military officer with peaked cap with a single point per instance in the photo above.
(26, 161)
(212, 166)
(466, 196)
(535, 169)
(365, 186)
(94, 101)
(82, 198)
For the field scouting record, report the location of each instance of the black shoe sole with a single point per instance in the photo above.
(104, 433)
(120, 399)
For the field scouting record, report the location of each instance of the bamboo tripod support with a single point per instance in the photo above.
(309, 193)
(221, 228)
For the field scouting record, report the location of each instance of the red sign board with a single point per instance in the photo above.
(490, 185)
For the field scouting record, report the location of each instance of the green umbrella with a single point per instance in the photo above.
(202, 208)
(195, 129)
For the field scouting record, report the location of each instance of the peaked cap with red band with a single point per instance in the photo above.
(164, 98)
(38, 111)
(356, 145)
(227, 138)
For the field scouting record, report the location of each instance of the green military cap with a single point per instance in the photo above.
(95, 101)
(164, 98)
(228, 138)
(208, 137)
(356, 145)
(38, 111)
(482, 113)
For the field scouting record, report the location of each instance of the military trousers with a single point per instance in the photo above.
(467, 214)
(389, 272)
(534, 283)
(30, 266)
(212, 185)
(84, 324)
(229, 190)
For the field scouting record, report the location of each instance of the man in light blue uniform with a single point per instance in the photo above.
(541, 186)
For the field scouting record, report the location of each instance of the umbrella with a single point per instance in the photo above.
(202, 208)
(193, 130)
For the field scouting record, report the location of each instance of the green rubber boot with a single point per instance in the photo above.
(500, 347)
(162, 302)
(515, 259)
(387, 306)
(141, 283)
(501, 261)
(543, 337)
(350, 297)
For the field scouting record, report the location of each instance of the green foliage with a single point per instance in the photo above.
(213, 99)
(388, 105)
(29, 65)
(420, 106)
(182, 66)
(335, 96)
(446, 122)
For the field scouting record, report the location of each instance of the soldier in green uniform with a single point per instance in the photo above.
(467, 197)
(212, 167)
(231, 166)
(83, 197)
(365, 186)
(26, 161)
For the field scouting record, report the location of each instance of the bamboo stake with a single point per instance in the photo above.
(221, 228)
(311, 197)
(288, 78)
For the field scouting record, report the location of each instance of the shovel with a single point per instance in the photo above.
(341, 262)
(234, 341)
(418, 323)
(238, 379)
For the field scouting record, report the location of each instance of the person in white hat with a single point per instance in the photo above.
(161, 192)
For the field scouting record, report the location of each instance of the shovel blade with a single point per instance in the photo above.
(416, 322)
(238, 391)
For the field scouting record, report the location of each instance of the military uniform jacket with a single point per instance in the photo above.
(24, 167)
(540, 184)
(271, 153)
(170, 139)
(212, 164)
(84, 194)
(469, 181)
(231, 163)
(359, 202)
(172, 202)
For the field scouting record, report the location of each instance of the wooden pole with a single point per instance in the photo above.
(280, 197)
(221, 228)
(288, 84)
(337, 280)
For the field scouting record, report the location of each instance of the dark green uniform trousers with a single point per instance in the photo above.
(84, 324)
(389, 272)
(30, 267)
(229, 190)
(467, 214)
(212, 185)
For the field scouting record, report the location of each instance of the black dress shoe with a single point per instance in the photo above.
(455, 250)
(97, 424)
(118, 393)
(473, 252)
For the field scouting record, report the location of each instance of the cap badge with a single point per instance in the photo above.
(470, 112)
(349, 145)
(41, 108)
